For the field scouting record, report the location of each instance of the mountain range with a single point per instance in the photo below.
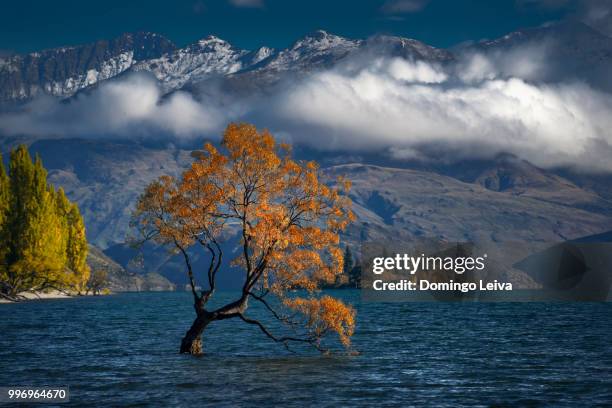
(500, 200)
(62, 72)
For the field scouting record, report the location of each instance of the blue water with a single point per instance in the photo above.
(122, 350)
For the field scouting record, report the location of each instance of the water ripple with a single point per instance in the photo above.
(122, 350)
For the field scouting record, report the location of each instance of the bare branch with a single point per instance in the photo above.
(314, 341)
(197, 299)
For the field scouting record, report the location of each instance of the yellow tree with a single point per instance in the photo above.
(42, 235)
(77, 271)
(5, 203)
(34, 238)
(288, 222)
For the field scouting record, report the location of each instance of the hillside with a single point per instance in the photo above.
(120, 280)
(505, 201)
(409, 203)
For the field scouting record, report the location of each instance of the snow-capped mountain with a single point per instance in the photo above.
(407, 48)
(577, 50)
(63, 71)
(567, 51)
(205, 58)
(573, 36)
(317, 50)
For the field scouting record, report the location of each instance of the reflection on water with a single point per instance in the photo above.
(122, 350)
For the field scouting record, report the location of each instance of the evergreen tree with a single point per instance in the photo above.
(351, 271)
(355, 276)
(348, 261)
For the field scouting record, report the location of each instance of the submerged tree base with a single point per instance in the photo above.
(191, 346)
(192, 342)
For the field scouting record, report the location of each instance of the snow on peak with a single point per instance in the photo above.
(206, 57)
(212, 40)
(406, 48)
(317, 49)
(322, 40)
(261, 54)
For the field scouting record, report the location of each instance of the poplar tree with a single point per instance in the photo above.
(43, 235)
(76, 242)
(4, 193)
(78, 249)
(4, 237)
(20, 210)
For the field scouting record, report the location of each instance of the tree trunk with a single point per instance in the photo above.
(192, 342)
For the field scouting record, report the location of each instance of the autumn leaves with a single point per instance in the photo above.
(288, 221)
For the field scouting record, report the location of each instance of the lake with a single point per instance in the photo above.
(123, 350)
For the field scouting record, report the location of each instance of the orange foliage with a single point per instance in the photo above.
(289, 222)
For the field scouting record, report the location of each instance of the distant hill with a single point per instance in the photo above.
(409, 203)
(120, 280)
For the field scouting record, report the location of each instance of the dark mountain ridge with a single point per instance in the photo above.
(63, 71)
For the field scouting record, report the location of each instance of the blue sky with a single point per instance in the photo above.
(32, 25)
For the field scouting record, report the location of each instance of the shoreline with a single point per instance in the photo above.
(55, 294)
(33, 296)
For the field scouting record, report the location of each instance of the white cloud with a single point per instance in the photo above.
(549, 125)
(247, 3)
(403, 6)
(527, 62)
(418, 71)
(129, 107)
(477, 108)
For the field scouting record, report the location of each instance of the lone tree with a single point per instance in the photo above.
(288, 222)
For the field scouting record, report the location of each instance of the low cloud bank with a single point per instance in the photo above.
(478, 112)
(478, 107)
(129, 107)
